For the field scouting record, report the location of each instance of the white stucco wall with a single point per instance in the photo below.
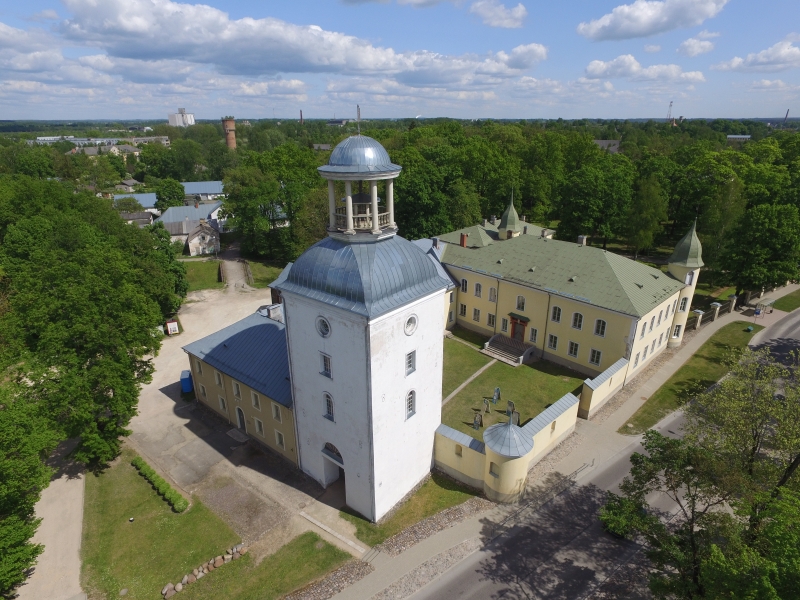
(348, 385)
(403, 446)
(385, 453)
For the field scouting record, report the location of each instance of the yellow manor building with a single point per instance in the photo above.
(569, 303)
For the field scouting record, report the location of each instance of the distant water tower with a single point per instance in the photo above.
(229, 126)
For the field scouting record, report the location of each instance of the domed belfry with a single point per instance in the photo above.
(360, 160)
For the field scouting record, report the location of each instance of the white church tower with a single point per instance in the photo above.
(364, 325)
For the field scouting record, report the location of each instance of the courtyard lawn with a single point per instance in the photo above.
(698, 373)
(471, 337)
(303, 560)
(789, 302)
(460, 362)
(264, 274)
(435, 495)
(203, 275)
(158, 547)
(531, 387)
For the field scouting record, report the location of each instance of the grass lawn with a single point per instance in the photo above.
(471, 337)
(203, 275)
(789, 302)
(460, 362)
(303, 560)
(161, 546)
(705, 294)
(698, 373)
(158, 547)
(531, 387)
(435, 495)
(264, 274)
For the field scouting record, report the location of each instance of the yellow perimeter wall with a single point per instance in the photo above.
(205, 380)
(503, 478)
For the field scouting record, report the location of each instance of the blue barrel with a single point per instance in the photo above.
(186, 382)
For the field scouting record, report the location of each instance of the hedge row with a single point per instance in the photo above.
(178, 502)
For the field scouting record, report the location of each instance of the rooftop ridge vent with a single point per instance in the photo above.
(640, 286)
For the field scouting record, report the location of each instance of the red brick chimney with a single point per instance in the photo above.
(464, 240)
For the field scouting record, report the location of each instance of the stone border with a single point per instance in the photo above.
(231, 554)
(410, 536)
(333, 583)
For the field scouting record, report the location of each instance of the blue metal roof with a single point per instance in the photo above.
(368, 278)
(251, 351)
(146, 200)
(175, 214)
(461, 438)
(359, 154)
(202, 187)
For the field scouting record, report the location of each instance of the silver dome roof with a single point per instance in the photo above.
(359, 154)
(506, 439)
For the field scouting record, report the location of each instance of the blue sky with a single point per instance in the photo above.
(106, 59)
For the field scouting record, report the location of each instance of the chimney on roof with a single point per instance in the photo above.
(523, 217)
(582, 240)
(485, 222)
(464, 240)
(435, 241)
(525, 230)
(492, 219)
(196, 205)
(544, 232)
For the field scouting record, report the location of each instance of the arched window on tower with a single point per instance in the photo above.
(411, 404)
(328, 406)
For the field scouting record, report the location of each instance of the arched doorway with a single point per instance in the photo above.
(240, 421)
(333, 477)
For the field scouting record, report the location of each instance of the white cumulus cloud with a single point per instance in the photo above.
(780, 57)
(698, 44)
(627, 67)
(495, 14)
(652, 48)
(648, 17)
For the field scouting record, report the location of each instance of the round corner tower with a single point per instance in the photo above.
(684, 265)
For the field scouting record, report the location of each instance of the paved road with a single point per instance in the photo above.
(560, 551)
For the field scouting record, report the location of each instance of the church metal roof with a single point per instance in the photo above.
(359, 154)
(688, 252)
(367, 278)
(510, 219)
(251, 351)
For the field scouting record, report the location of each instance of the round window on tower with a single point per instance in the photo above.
(323, 327)
(411, 325)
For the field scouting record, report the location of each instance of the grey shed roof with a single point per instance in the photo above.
(369, 279)
(146, 200)
(506, 439)
(359, 154)
(251, 351)
(688, 252)
(202, 187)
(180, 213)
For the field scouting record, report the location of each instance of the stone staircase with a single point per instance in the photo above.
(506, 349)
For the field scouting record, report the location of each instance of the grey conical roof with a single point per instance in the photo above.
(688, 252)
(507, 439)
(510, 218)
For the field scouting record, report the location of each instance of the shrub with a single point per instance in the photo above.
(178, 502)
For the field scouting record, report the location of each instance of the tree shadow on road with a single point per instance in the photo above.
(552, 548)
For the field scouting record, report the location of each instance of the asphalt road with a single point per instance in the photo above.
(559, 550)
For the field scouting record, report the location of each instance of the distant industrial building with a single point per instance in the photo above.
(181, 118)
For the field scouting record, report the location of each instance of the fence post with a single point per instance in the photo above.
(699, 314)
(716, 306)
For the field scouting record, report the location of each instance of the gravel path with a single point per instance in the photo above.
(421, 576)
(418, 532)
(332, 584)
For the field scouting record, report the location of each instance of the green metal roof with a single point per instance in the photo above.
(477, 236)
(688, 252)
(582, 273)
(510, 219)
